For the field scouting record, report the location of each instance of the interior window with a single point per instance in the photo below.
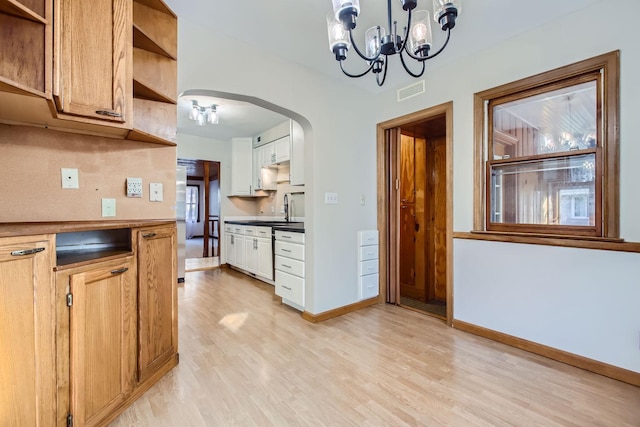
(549, 152)
(192, 205)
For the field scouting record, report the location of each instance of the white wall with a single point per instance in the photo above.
(339, 148)
(581, 301)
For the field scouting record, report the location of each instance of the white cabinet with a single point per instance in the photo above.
(368, 264)
(241, 167)
(282, 149)
(264, 178)
(289, 266)
(249, 248)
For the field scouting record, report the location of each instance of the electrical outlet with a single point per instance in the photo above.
(69, 178)
(108, 207)
(134, 187)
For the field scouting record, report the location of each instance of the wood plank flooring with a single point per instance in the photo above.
(248, 360)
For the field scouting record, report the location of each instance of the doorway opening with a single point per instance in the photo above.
(415, 211)
(202, 218)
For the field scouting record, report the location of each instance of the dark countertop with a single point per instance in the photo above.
(276, 225)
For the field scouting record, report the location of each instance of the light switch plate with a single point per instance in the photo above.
(69, 178)
(155, 191)
(108, 207)
(331, 198)
(134, 187)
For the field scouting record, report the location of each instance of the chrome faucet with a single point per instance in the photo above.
(286, 208)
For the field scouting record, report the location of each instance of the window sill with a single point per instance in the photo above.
(606, 244)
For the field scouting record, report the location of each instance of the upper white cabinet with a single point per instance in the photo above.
(282, 149)
(283, 143)
(241, 167)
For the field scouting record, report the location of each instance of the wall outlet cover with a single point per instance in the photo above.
(155, 192)
(108, 207)
(134, 187)
(331, 198)
(69, 178)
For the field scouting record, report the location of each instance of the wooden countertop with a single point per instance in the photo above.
(12, 229)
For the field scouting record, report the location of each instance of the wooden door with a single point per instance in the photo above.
(437, 218)
(27, 332)
(412, 184)
(157, 299)
(93, 59)
(102, 339)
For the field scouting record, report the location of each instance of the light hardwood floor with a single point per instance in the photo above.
(247, 360)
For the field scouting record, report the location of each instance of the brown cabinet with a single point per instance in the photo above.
(27, 332)
(92, 66)
(102, 337)
(157, 298)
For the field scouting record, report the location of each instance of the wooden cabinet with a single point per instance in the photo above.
(157, 298)
(92, 65)
(101, 300)
(27, 332)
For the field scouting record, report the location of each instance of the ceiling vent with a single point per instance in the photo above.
(411, 91)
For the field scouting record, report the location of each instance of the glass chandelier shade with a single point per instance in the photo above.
(203, 115)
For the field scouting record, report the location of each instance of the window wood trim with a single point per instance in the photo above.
(608, 64)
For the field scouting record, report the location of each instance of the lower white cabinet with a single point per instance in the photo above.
(249, 248)
(368, 276)
(289, 266)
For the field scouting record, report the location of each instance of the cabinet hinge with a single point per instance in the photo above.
(69, 300)
(69, 420)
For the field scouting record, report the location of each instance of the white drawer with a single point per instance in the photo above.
(228, 228)
(368, 252)
(367, 267)
(368, 286)
(263, 232)
(290, 266)
(290, 236)
(238, 229)
(291, 250)
(290, 287)
(250, 230)
(367, 237)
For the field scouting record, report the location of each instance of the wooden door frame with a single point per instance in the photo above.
(385, 191)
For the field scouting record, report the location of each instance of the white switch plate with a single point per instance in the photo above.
(363, 199)
(134, 187)
(155, 191)
(331, 198)
(108, 207)
(69, 178)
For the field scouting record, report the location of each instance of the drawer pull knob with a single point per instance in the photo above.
(120, 270)
(24, 252)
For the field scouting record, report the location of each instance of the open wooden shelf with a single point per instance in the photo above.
(15, 8)
(155, 31)
(154, 76)
(158, 5)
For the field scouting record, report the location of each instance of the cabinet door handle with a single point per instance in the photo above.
(286, 287)
(148, 235)
(285, 265)
(120, 270)
(285, 250)
(24, 252)
(284, 236)
(109, 113)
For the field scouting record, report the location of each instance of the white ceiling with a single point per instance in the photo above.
(296, 31)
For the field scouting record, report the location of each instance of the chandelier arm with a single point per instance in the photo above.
(384, 75)
(422, 59)
(355, 76)
(360, 54)
(406, 33)
(407, 68)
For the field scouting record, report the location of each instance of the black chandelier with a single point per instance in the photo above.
(416, 42)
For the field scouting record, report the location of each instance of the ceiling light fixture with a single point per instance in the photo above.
(203, 115)
(379, 45)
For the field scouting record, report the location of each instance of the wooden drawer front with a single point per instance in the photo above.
(250, 230)
(290, 250)
(368, 252)
(290, 287)
(368, 267)
(290, 266)
(290, 236)
(368, 286)
(263, 232)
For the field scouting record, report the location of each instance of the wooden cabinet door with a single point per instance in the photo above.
(102, 339)
(27, 332)
(93, 59)
(157, 299)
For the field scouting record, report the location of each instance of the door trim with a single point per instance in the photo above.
(384, 186)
